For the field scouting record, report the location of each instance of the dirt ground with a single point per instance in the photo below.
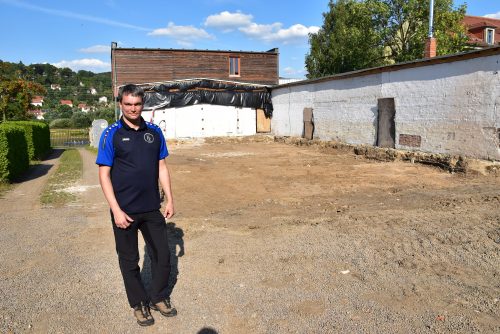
(268, 238)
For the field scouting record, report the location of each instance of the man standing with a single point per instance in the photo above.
(131, 159)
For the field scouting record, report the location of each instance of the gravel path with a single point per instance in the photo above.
(268, 238)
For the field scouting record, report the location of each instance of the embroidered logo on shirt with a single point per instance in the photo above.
(149, 138)
(125, 139)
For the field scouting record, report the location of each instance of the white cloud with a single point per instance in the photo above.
(227, 21)
(275, 33)
(87, 64)
(271, 33)
(260, 31)
(96, 49)
(289, 70)
(184, 44)
(294, 72)
(183, 35)
(493, 16)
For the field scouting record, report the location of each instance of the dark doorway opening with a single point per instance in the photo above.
(386, 129)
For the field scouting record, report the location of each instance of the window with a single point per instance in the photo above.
(489, 36)
(234, 66)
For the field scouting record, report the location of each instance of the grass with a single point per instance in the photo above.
(69, 171)
(91, 149)
(5, 187)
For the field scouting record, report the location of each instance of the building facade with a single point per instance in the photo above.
(139, 66)
(482, 31)
(448, 105)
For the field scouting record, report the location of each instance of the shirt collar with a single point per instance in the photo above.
(142, 125)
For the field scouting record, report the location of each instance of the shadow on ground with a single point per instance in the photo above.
(41, 168)
(175, 238)
(207, 330)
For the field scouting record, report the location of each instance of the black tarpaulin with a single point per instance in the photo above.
(198, 91)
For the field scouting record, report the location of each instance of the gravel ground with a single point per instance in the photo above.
(268, 238)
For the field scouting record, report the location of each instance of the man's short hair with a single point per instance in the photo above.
(130, 89)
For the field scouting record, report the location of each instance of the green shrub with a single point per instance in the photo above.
(37, 137)
(61, 123)
(14, 158)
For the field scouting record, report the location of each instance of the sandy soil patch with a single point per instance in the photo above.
(272, 238)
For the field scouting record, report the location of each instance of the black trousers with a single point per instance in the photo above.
(154, 231)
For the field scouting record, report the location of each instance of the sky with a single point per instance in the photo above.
(78, 34)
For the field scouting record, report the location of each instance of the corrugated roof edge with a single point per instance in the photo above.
(271, 51)
(410, 64)
(195, 79)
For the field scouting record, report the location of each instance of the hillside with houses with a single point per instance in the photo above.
(68, 94)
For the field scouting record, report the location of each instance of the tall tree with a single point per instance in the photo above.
(349, 39)
(408, 27)
(368, 33)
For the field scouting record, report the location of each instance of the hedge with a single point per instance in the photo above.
(14, 159)
(37, 137)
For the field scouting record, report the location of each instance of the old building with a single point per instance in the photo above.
(482, 31)
(83, 107)
(447, 104)
(136, 65)
(201, 93)
(37, 101)
(66, 103)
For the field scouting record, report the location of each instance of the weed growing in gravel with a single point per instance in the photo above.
(69, 171)
(4, 187)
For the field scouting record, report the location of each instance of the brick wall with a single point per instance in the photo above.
(410, 140)
(442, 106)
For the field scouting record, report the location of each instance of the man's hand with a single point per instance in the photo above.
(169, 209)
(122, 220)
(164, 177)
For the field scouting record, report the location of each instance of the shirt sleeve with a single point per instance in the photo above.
(163, 146)
(106, 151)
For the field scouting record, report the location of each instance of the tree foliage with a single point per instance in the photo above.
(408, 28)
(15, 98)
(20, 83)
(349, 39)
(369, 33)
(65, 117)
(75, 86)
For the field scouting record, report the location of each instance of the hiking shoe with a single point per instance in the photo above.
(143, 315)
(165, 307)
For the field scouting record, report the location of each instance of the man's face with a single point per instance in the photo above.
(131, 107)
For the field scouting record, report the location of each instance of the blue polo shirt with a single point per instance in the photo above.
(133, 156)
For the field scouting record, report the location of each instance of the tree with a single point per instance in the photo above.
(16, 96)
(369, 33)
(106, 113)
(408, 28)
(64, 111)
(80, 120)
(350, 38)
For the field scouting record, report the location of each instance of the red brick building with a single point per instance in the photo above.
(483, 31)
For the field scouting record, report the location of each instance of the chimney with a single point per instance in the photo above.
(430, 44)
(430, 48)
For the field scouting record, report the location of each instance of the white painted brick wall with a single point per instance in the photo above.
(453, 106)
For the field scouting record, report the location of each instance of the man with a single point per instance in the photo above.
(131, 159)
